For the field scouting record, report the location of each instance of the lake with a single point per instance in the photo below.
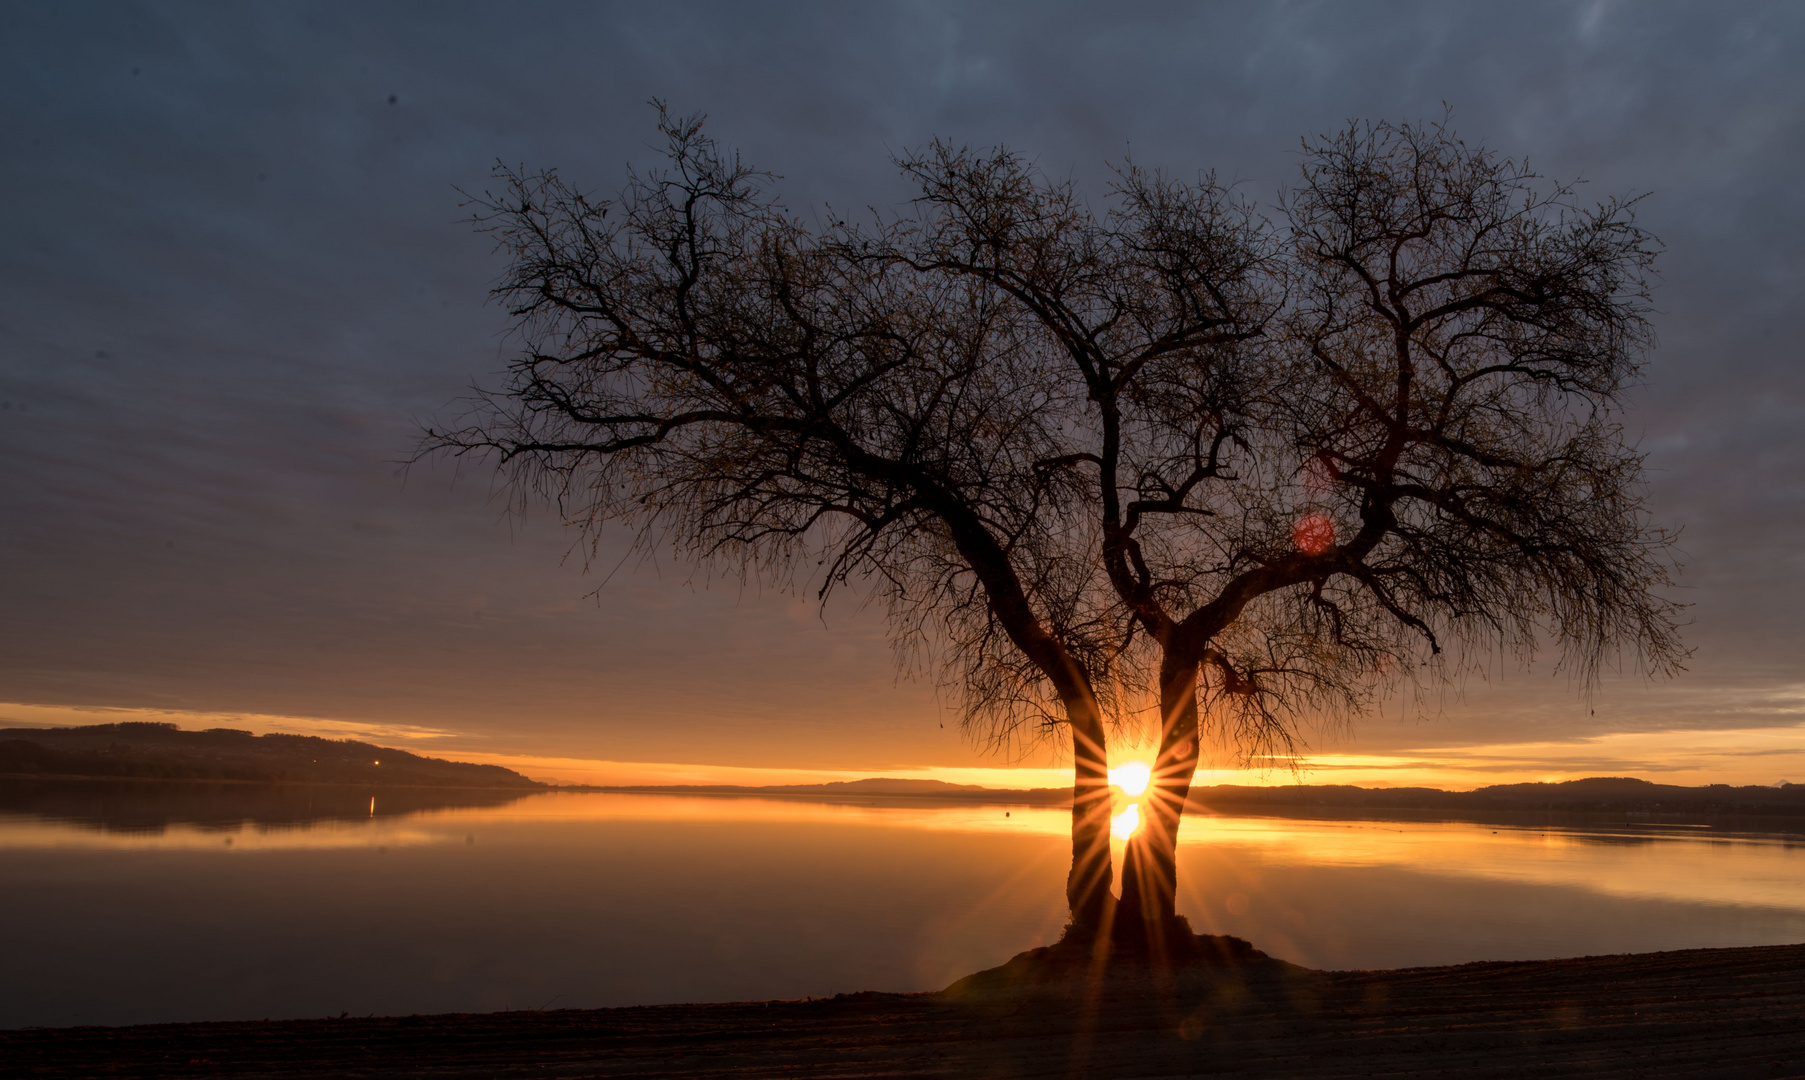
(123, 903)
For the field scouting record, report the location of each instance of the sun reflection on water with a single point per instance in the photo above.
(1123, 825)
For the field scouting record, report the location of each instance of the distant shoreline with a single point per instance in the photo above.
(1607, 795)
(350, 784)
(144, 753)
(1690, 808)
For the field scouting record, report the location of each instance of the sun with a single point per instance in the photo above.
(1131, 776)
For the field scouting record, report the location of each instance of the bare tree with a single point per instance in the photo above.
(1395, 451)
(1259, 475)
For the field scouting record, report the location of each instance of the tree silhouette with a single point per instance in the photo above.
(1171, 453)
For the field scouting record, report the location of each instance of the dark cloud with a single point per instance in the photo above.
(233, 273)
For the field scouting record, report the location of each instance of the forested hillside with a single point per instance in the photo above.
(167, 752)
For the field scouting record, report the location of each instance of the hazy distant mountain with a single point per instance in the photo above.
(880, 785)
(166, 752)
(1595, 793)
(873, 787)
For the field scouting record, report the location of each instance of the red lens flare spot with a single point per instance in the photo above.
(1313, 534)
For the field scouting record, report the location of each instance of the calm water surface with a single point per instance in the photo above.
(123, 904)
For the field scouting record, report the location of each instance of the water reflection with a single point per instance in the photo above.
(191, 902)
(125, 806)
(1663, 864)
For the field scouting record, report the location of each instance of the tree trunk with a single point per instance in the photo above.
(1087, 886)
(1147, 914)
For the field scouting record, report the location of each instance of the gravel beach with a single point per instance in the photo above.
(1697, 1013)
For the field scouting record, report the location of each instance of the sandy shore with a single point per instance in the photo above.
(1732, 1013)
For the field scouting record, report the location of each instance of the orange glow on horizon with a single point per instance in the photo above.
(1736, 756)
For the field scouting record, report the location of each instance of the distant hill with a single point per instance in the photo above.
(875, 787)
(880, 785)
(1595, 793)
(889, 786)
(151, 751)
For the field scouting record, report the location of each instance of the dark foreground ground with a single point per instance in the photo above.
(1703, 1013)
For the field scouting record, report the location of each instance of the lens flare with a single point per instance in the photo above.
(1313, 534)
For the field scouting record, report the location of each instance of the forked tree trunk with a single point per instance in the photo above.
(1087, 885)
(1147, 914)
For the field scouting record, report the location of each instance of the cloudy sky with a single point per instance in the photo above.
(235, 276)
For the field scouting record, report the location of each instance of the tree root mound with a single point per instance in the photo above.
(1185, 965)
